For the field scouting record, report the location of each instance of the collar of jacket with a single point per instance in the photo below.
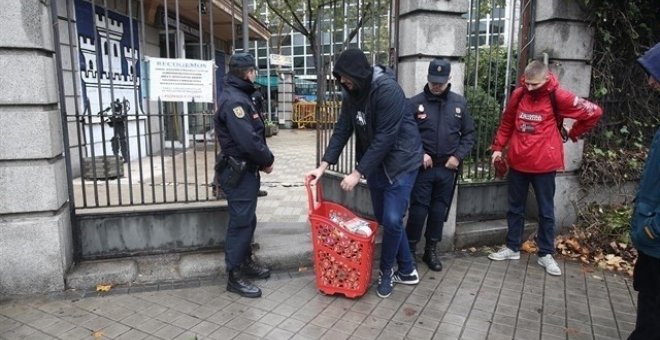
(436, 98)
(550, 86)
(241, 84)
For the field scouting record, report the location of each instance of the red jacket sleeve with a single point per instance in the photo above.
(507, 123)
(585, 113)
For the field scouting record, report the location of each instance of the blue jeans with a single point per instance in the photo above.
(544, 189)
(390, 201)
(431, 197)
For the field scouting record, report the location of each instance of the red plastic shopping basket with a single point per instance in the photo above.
(342, 259)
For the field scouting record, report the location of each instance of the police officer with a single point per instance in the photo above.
(447, 131)
(240, 130)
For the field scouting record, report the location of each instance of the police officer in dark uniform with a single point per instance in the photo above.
(447, 131)
(240, 130)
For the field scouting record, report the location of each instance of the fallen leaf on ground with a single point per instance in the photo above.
(103, 288)
(97, 335)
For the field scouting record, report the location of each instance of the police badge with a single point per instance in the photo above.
(238, 111)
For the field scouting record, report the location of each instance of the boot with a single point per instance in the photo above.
(431, 256)
(242, 287)
(413, 249)
(255, 270)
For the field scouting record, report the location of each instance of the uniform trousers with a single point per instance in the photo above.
(431, 197)
(242, 204)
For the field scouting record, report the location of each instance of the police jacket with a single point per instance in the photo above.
(238, 125)
(445, 124)
(386, 133)
(529, 126)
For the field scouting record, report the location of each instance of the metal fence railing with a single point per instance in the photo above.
(126, 148)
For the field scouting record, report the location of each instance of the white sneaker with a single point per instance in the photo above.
(505, 254)
(551, 266)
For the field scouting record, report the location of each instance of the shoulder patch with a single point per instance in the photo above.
(239, 112)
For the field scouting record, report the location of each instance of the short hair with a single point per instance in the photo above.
(536, 69)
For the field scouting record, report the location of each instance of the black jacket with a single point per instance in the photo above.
(386, 133)
(238, 125)
(446, 126)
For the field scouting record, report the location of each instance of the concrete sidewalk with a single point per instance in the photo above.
(182, 296)
(472, 298)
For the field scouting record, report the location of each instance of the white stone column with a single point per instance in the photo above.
(429, 29)
(35, 226)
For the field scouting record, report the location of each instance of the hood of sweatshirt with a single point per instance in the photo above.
(651, 61)
(353, 65)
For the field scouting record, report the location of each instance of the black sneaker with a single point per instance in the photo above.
(385, 285)
(406, 279)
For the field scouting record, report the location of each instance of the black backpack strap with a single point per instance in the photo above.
(558, 118)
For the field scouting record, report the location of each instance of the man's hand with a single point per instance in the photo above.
(268, 169)
(494, 156)
(452, 163)
(349, 182)
(317, 173)
(428, 161)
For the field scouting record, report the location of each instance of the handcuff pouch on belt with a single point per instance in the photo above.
(237, 169)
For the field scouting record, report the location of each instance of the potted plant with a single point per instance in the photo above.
(271, 128)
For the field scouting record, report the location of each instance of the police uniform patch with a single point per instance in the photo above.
(238, 111)
(255, 116)
(458, 113)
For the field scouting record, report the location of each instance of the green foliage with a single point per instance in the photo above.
(485, 111)
(486, 67)
(611, 165)
(623, 31)
(608, 222)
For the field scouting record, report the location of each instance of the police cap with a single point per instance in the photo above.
(241, 60)
(439, 71)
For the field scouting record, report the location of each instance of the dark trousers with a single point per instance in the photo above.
(119, 140)
(431, 197)
(646, 281)
(390, 200)
(242, 203)
(544, 189)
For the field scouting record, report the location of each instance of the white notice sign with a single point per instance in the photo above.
(281, 60)
(180, 80)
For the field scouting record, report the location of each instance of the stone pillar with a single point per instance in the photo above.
(35, 225)
(429, 29)
(562, 32)
(285, 91)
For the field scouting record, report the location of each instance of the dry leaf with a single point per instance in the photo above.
(528, 247)
(103, 288)
(97, 334)
(472, 249)
(302, 269)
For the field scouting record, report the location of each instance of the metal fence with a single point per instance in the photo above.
(125, 148)
(490, 71)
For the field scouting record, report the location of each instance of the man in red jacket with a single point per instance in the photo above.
(535, 153)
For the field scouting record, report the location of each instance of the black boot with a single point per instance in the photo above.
(253, 269)
(431, 256)
(242, 287)
(413, 249)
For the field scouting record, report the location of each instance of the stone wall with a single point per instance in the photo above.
(35, 227)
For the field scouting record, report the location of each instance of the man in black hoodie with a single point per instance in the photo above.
(388, 153)
(240, 130)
